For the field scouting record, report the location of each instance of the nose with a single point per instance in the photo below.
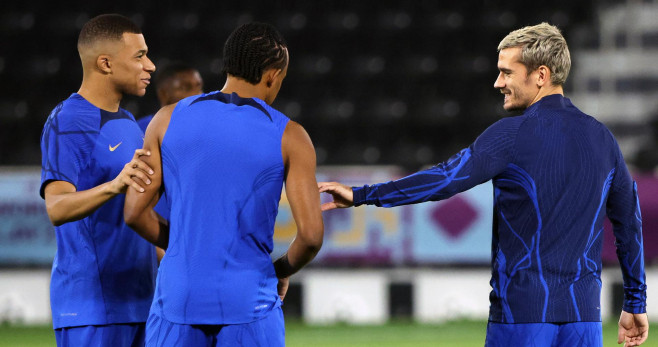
(499, 84)
(149, 66)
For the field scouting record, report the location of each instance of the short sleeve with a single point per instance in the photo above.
(66, 144)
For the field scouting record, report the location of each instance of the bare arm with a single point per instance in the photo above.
(304, 198)
(138, 210)
(65, 204)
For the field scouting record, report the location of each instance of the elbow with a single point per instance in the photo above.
(312, 238)
(56, 219)
(130, 218)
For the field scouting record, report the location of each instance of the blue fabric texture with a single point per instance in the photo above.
(103, 272)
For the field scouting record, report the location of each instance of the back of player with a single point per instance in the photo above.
(217, 268)
(551, 203)
(222, 159)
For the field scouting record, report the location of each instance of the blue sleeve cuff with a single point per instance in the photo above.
(359, 195)
(635, 309)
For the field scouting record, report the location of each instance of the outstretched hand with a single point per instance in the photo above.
(342, 194)
(633, 328)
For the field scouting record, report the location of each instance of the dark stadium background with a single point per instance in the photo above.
(374, 82)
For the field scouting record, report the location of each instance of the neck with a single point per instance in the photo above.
(550, 90)
(100, 93)
(244, 89)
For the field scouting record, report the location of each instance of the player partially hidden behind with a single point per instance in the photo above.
(556, 172)
(173, 83)
(103, 274)
(223, 162)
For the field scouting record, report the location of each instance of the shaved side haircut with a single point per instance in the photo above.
(109, 27)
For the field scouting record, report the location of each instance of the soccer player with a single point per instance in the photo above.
(556, 172)
(103, 274)
(222, 163)
(174, 82)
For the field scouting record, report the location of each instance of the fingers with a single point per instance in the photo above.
(327, 206)
(135, 174)
(642, 338)
(332, 186)
(136, 186)
(137, 163)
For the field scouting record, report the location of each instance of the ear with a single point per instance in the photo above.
(104, 64)
(271, 75)
(543, 76)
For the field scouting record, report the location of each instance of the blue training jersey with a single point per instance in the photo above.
(103, 272)
(144, 122)
(556, 172)
(223, 173)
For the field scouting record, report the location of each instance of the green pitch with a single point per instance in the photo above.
(398, 334)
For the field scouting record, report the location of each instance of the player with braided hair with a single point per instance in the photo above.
(222, 165)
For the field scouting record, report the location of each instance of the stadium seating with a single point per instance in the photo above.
(373, 82)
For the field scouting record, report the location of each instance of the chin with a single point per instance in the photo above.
(140, 92)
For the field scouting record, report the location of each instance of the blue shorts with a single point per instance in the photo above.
(582, 334)
(266, 332)
(112, 335)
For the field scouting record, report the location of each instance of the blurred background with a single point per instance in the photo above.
(384, 88)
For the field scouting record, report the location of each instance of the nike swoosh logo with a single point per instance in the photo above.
(115, 147)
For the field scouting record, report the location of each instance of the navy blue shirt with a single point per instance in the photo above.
(103, 272)
(556, 172)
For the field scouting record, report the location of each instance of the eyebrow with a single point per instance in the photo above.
(141, 51)
(505, 70)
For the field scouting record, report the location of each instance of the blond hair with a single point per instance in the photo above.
(541, 44)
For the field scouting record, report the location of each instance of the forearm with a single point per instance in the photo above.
(437, 183)
(71, 206)
(298, 255)
(147, 223)
(632, 266)
(623, 210)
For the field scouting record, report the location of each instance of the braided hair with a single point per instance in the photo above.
(253, 48)
(106, 27)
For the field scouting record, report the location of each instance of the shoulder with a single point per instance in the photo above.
(295, 134)
(590, 122)
(276, 115)
(507, 125)
(297, 143)
(161, 119)
(74, 114)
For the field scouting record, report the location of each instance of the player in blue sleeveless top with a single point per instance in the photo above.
(224, 158)
(103, 276)
(556, 172)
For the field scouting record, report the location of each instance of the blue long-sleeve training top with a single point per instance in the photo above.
(556, 172)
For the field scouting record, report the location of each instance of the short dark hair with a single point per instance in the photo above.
(253, 48)
(171, 70)
(106, 27)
